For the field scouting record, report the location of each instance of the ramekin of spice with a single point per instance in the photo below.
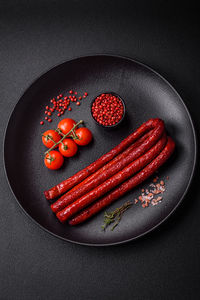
(108, 109)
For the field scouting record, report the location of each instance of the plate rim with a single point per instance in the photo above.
(180, 99)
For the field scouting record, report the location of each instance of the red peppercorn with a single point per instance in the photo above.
(60, 103)
(42, 122)
(107, 109)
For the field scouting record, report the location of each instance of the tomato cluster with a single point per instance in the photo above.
(68, 146)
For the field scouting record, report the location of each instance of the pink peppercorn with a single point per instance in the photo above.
(60, 103)
(107, 109)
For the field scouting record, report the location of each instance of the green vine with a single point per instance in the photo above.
(71, 133)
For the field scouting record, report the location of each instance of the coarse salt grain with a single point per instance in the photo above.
(149, 196)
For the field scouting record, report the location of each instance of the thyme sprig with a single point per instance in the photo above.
(115, 216)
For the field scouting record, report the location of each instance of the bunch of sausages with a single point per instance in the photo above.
(115, 173)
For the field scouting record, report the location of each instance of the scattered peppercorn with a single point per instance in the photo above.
(60, 103)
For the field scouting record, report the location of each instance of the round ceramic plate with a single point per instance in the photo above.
(146, 95)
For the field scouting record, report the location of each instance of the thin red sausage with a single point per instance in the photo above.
(120, 162)
(58, 205)
(126, 186)
(112, 182)
(67, 184)
(114, 160)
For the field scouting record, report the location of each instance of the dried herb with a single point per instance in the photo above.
(115, 216)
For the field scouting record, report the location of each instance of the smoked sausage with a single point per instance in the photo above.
(126, 186)
(112, 182)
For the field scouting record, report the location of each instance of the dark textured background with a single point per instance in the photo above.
(34, 36)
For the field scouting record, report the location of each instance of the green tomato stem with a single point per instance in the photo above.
(64, 136)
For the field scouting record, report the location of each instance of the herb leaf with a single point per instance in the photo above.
(115, 216)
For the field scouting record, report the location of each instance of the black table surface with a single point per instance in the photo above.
(36, 35)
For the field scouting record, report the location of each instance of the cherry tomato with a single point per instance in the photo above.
(66, 125)
(84, 136)
(53, 160)
(68, 148)
(48, 136)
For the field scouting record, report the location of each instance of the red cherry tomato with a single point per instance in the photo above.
(68, 148)
(66, 125)
(48, 136)
(53, 160)
(84, 136)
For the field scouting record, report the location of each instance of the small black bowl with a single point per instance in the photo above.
(120, 121)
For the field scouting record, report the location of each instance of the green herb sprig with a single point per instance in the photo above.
(115, 216)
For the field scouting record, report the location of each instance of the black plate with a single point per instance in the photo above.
(146, 95)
